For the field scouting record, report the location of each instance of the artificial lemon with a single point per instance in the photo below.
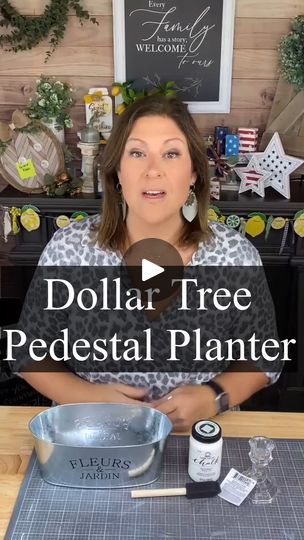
(278, 223)
(299, 214)
(30, 220)
(79, 216)
(115, 91)
(212, 215)
(299, 227)
(62, 221)
(255, 226)
(121, 108)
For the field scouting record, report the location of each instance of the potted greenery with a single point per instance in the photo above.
(129, 94)
(52, 105)
(291, 50)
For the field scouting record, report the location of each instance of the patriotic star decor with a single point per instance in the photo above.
(279, 165)
(253, 177)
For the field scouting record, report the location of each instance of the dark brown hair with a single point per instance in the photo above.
(112, 231)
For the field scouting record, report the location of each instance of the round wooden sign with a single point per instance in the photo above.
(28, 157)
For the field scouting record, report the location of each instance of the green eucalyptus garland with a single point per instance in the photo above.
(292, 54)
(27, 31)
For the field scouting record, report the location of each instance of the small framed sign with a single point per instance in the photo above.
(189, 42)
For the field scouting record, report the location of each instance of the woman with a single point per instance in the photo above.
(156, 186)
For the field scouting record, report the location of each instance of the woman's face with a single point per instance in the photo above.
(156, 169)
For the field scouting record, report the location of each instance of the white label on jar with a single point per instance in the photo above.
(205, 465)
(205, 462)
(236, 487)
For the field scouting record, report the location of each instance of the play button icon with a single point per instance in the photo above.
(150, 270)
(153, 264)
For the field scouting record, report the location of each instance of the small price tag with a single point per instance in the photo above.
(26, 170)
(236, 487)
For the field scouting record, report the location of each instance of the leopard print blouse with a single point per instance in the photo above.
(76, 246)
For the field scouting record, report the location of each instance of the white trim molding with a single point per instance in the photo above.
(223, 104)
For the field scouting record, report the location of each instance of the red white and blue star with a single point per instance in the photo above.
(253, 177)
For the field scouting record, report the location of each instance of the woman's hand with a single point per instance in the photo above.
(118, 393)
(187, 404)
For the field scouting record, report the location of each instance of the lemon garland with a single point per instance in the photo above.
(29, 217)
(256, 223)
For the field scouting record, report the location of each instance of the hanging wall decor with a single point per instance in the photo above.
(28, 151)
(163, 41)
(28, 31)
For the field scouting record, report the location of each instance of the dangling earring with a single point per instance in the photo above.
(190, 208)
(122, 202)
(123, 208)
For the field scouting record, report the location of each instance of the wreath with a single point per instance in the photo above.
(292, 54)
(27, 31)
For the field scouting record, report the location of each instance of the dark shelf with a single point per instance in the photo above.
(12, 197)
(231, 201)
(272, 203)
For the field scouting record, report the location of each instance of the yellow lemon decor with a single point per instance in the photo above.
(212, 215)
(299, 214)
(98, 106)
(30, 220)
(278, 223)
(15, 213)
(299, 226)
(79, 216)
(99, 99)
(89, 98)
(255, 226)
(62, 221)
(121, 108)
(115, 91)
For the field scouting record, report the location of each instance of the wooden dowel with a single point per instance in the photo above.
(157, 492)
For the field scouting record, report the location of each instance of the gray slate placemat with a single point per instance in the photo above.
(46, 512)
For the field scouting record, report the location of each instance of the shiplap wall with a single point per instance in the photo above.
(85, 58)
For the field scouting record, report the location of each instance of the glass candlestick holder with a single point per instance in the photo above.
(265, 491)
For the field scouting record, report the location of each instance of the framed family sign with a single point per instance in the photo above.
(186, 41)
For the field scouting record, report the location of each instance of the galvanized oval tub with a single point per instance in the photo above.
(100, 445)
